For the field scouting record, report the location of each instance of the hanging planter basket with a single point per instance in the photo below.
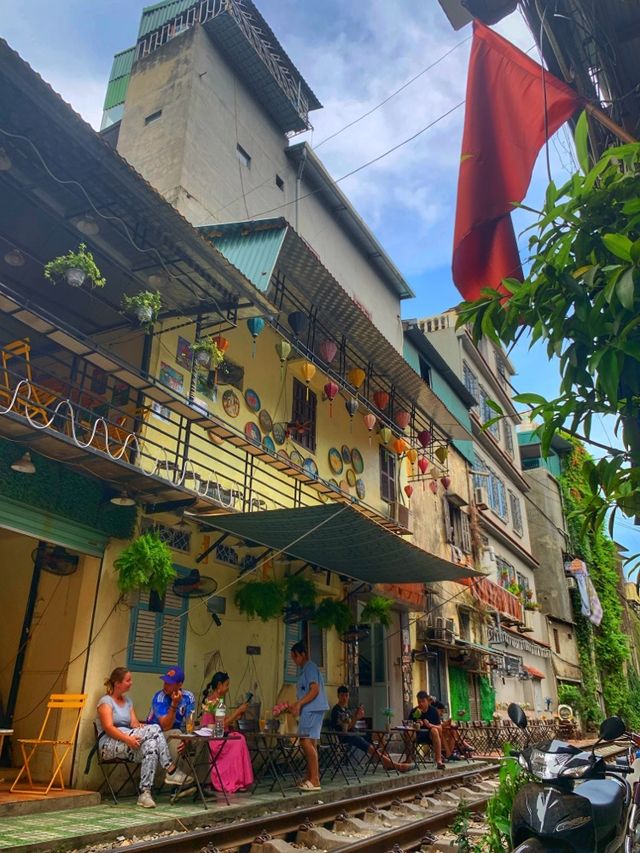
(75, 277)
(75, 268)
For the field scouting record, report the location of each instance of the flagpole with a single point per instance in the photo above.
(600, 116)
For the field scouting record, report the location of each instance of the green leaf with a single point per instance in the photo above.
(618, 245)
(625, 289)
(581, 138)
(635, 252)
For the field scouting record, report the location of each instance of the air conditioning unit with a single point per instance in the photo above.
(444, 630)
(400, 514)
(572, 583)
(481, 497)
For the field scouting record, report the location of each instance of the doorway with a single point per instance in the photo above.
(372, 666)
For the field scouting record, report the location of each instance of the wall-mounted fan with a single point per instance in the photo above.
(54, 559)
(195, 585)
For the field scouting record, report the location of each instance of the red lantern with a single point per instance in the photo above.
(221, 343)
(446, 481)
(424, 437)
(330, 392)
(327, 351)
(402, 419)
(433, 486)
(423, 464)
(381, 399)
(408, 490)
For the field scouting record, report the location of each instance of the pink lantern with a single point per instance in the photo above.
(433, 486)
(327, 351)
(369, 421)
(402, 419)
(408, 490)
(330, 391)
(423, 464)
(446, 481)
(424, 437)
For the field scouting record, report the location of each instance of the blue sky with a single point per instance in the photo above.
(352, 55)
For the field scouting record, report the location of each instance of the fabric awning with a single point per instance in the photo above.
(340, 539)
(533, 672)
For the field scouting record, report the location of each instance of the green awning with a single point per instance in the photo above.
(338, 538)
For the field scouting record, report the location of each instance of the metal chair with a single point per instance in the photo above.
(112, 763)
(60, 748)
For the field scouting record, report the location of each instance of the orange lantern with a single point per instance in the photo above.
(412, 455)
(356, 377)
(308, 371)
(222, 343)
(400, 445)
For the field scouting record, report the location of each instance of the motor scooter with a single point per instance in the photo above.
(580, 804)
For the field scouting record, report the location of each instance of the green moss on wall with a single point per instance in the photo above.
(58, 489)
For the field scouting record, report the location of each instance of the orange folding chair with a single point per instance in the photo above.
(41, 396)
(60, 748)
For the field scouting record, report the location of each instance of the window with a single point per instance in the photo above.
(303, 416)
(487, 413)
(506, 572)
(523, 582)
(387, 476)
(157, 640)
(153, 117)
(175, 537)
(458, 531)
(516, 513)
(279, 183)
(316, 643)
(464, 621)
(243, 156)
(470, 381)
(556, 640)
(508, 436)
(425, 371)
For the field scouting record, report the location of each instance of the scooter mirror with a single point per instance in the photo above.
(612, 728)
(518, 716)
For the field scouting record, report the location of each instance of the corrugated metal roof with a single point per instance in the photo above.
(255, 258)
(116, 92)
(122, 63)
(159, 14)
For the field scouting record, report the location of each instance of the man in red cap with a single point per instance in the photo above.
(171, 706)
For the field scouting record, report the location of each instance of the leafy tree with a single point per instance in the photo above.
(582, 297)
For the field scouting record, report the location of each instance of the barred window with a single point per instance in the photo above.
(516, 512)
(387, 475)
(174, 537)
(303, 416)
(487, 413)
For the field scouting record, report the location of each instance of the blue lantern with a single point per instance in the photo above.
(255, 326)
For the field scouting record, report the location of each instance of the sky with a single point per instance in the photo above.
(353, 55)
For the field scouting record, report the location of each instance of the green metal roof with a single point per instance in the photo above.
(255, 258)
(340, 539)
(116, 92)
(119, 78)
(122, 63)
(161, 13)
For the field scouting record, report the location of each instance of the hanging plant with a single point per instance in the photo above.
(76, 268)
(207, 352)
(145, 306)
(331, 613)
(262, 599)
(378, 609)
(300, 589)
(145, 564)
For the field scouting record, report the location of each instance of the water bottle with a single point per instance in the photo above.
(220, 714)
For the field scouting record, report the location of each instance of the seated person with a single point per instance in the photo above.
(120, 735)
(343, 720)
(454, 745)
(430, 726)
(233, 759)
(171, 706)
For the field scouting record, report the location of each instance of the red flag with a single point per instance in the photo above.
(504, 129)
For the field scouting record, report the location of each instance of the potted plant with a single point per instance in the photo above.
(378, 609)
(388, 714)
(145, 306)
(262, 599)
(146, 564)
(76, 268)
(331, 613)
(206, 352)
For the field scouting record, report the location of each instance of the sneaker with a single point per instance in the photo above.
(146, 800)
(177, 778)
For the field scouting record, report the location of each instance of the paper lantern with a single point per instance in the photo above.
(381, 399)
(356, 377)
(433, 486)
(412, 455)
(446, 481)
(400, 445)
(402, 419)
(308, 371)
(423, 464)
(327, 351)
(352, 406)
(386, 435)
(298, 321)
(222, 343)
(369, 421)
(283, 348)
(408, 490)
(424, 438)
(255, 326)
(441, 454)
(330, 392)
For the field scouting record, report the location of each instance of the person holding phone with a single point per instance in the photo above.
(171, 706)
(233, 761)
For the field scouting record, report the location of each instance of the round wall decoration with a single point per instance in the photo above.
(268, 445)
(351, 477)
(296, 458)
(335, 460)
(264, 419)
(231, 403)
(346, 455)
(357, 461)
(310, 467)
(360, 490)
(279, 433)
(252, 400)
(252, 432)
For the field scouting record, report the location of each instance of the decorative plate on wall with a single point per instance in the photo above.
(296, 458)
(346, 455)
(264, 419)
(310, 467)
(344, 486)
(279, 434)
(360, 490)
(357, 461)
(252, 432)
(335, 460)
(351, 477)
(231, 403)
(282, 454)
(334, 485)
(252, 400)
(269, 446)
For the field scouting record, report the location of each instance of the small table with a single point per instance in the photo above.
(4, 733)
(380, 739)
(195, 744)
(271, 752)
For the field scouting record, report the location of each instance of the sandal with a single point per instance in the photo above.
(307, 786)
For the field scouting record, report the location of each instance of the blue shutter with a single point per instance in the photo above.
(292, 634)
(157, 640)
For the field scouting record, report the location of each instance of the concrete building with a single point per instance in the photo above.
(517, 630)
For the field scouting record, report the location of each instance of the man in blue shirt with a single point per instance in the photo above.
(171, 706)
(310, 707)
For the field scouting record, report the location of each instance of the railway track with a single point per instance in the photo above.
(376, 823)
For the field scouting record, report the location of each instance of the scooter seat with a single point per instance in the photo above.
(608, 801)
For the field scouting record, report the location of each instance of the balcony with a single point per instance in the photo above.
(497, 599)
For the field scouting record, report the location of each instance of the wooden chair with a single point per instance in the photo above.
(60, 748)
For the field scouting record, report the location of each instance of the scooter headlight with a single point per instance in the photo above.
(547, 765)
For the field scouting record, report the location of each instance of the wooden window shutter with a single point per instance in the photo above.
(466, 533)
(292, 634)
(144, 625)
